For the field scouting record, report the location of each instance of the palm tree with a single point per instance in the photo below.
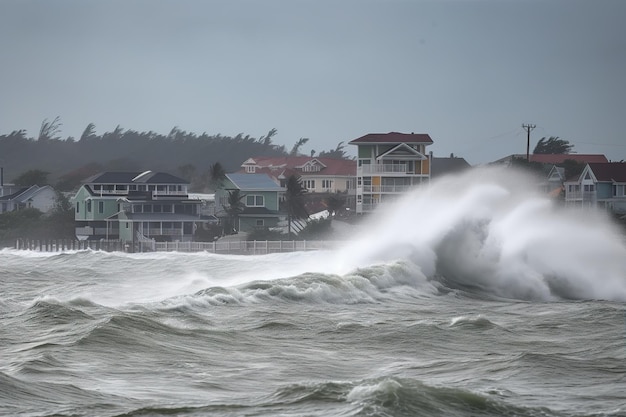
(334, 204)
(234, 207)
(218, 175)
(294, 200)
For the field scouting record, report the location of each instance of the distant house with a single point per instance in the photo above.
(444, 166)
(319, 175)
(18, 198)
(260, 197)
(599, 185)
(553, 159)
(389, 164)
(135, 206)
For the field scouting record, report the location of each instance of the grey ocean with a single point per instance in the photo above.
(475, 299)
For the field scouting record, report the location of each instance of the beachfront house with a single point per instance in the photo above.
(256, 205)
(137, 206)
(599, 185)
(389, 164)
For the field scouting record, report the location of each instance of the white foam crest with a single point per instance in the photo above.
(491, 228)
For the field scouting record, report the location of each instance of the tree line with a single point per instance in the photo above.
(66, 162)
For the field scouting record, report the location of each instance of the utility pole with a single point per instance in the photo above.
(528, 128)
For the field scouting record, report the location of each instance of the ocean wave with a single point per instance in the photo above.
(387, 396)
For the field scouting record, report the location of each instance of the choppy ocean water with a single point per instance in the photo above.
(492, 302)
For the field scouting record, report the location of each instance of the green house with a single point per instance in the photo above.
(135, 206)
(259, 202)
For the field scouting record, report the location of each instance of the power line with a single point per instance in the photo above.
(528, 128)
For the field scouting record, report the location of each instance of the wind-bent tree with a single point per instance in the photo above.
(334, 204)
(294, 200)
(553, 145)
(296, 147)
(88, 133)
(217, 174)
(339, 152)
(234, 207)
(267, 139)
(50, 130)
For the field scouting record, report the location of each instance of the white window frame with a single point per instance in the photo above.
(257, 200)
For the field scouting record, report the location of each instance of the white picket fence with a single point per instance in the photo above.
(254, 247)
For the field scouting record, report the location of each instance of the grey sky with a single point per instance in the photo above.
(468, 72)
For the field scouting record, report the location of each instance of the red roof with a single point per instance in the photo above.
(609, 171)
(394, 137)
(275, 165)
(560, 158)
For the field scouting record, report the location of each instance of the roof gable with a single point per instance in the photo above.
(401, 151)
(284, 165)
(394, 137)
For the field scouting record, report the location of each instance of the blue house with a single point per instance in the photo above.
(259, 202)
(599, 185)
(135, 206)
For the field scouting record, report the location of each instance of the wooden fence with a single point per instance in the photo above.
(243, 247)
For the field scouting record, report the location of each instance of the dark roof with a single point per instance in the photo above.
(146, 177)
(394, 137)
(251, 182)
(14, 195)
(609, 171)
(560, 158)
(443, 166)
(258, 211)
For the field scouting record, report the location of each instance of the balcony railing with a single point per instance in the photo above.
(581, 196)
(383, 169)
(385, 188)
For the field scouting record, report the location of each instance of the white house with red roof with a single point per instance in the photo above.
(389, 164)
(601, 184)
(319, 174)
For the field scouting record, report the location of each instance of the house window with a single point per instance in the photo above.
(147, 208)
(89, 206)
(309, 184)
(260, 222)
(327, 184)
(311, 168)
(250, 169)
(137, 208)
(589, 187)
(77, 207)
(167, 208)
(100, 207)
(255, 201)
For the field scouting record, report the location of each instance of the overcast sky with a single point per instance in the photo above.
(467, 72)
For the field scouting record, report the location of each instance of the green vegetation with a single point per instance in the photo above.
(66, 162)
(33, 224)
(294, 200)
(553, 145)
